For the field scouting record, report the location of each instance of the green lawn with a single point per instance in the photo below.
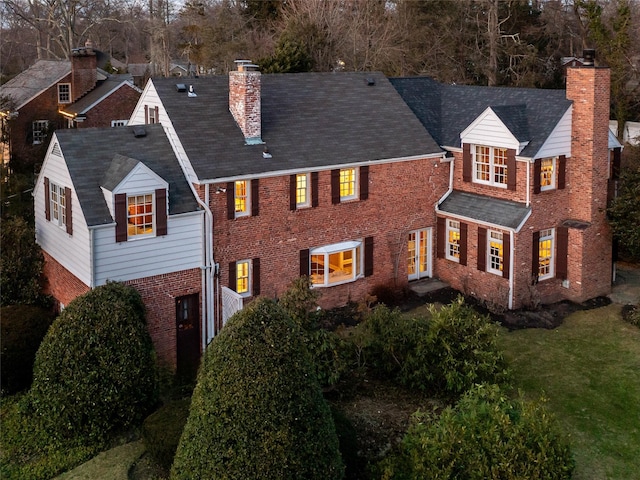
(589, 369)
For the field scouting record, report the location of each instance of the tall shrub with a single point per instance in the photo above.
(485, 436)
(95, 370)
(257, 411)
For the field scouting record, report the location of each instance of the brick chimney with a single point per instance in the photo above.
(84, 73)
(244, 100)
(590, 245)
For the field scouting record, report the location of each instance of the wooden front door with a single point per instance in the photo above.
(419, 254)
(187, 336)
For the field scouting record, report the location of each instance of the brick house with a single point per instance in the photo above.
(359, 181)
(63, 94)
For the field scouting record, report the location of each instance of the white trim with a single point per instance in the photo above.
(247, 200)
(357, 250)
(452, 228)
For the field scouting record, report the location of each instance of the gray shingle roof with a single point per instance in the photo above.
(485, 209)
(309, 120)
(89, 154)
(102, 89)
(34, 80)
(446, 110)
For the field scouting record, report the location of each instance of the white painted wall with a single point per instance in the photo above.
(489, 130)
(559, 142)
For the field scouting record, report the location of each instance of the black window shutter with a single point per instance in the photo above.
(441, 227)
(482, 248)
(506, 254)
(562, 171)
(304, 262)
(511, 169)
(466, 162)
(293, 181)
(146, 114)
(161, 212)
(535, 257)
(314, 189)
(47, 201)
(121, 217)
(231, 200)
(368, 256)
(335, 186)
(233, 281)
(67, 208)
(562, 249)
(255, 197)
(463, 243)
(255, 288)
(157, 115)
(364, 182)
(537, 172)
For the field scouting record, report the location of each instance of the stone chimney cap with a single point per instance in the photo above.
(246, 66)
(589, 56)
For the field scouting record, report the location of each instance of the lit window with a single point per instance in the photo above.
(336, 264)
(453, 240)
(547, 177)
(140, 215)
(242, 277)
(241, 196)
(490, 165)
(545, 254)
(495, 253)
(58, 205)
(39, 128)
(347, 183)
(302, 190)
(64, 93)
(119, 123)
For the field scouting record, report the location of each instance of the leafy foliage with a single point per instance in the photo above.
(448, 352)
(257, 410)
(485, 436)
(162, 429)
(21, 264)
(624, 213)
(95, 370)
(22, 329)
(290, 56)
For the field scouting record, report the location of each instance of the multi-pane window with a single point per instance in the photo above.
(547, 177)
(64, 93)
(302, 190)
(453, 240)
(241, 196)
(140, 215)
(335, 264)
(39, 128)
(495, 253)
(152, 116)
(57, 204)
(243, 272)
(545, 254)
(347, 183)
(490, 165)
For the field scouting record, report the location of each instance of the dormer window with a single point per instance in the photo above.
(141, 215)
(64, 93)
(490, 165)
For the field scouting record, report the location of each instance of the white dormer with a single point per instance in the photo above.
(491, 130)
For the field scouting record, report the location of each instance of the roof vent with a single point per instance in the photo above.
(589, 55)
(139, 131)
(191, 93)
(371, 81)
(181, 87)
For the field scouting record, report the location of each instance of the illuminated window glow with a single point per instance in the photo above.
(547, 177)
(545, 254)
(453, 240)
(347, 183)
(242, 277)
(242, 198)
(140, 215)
(336, 264)
(495, 253)
(302, 190)
(490, 165)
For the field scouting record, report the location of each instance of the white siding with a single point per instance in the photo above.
(140, 180)
(489, 130)
(180, 249)
(72, 251)
(559, 142)
(150, 97)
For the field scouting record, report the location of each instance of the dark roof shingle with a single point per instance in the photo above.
(484, 209)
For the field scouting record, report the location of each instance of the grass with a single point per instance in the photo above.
(589, 369)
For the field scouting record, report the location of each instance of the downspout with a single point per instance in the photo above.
(511, 272)
(528, 183)
(450, 189)
(92, 280)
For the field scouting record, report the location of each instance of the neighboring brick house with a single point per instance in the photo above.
(63, 94)
(360, 181)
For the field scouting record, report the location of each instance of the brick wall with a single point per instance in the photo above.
(402, 197)
(159, 294)
(117, 106)
(63, 285)
(83, 72)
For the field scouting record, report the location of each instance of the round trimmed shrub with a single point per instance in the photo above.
(22, 329)
(257, 411)
(95, 370)
(485, 436)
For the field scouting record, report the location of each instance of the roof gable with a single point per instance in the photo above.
(29, 84)
(102, 91)
(126, 174)
(490, 129)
